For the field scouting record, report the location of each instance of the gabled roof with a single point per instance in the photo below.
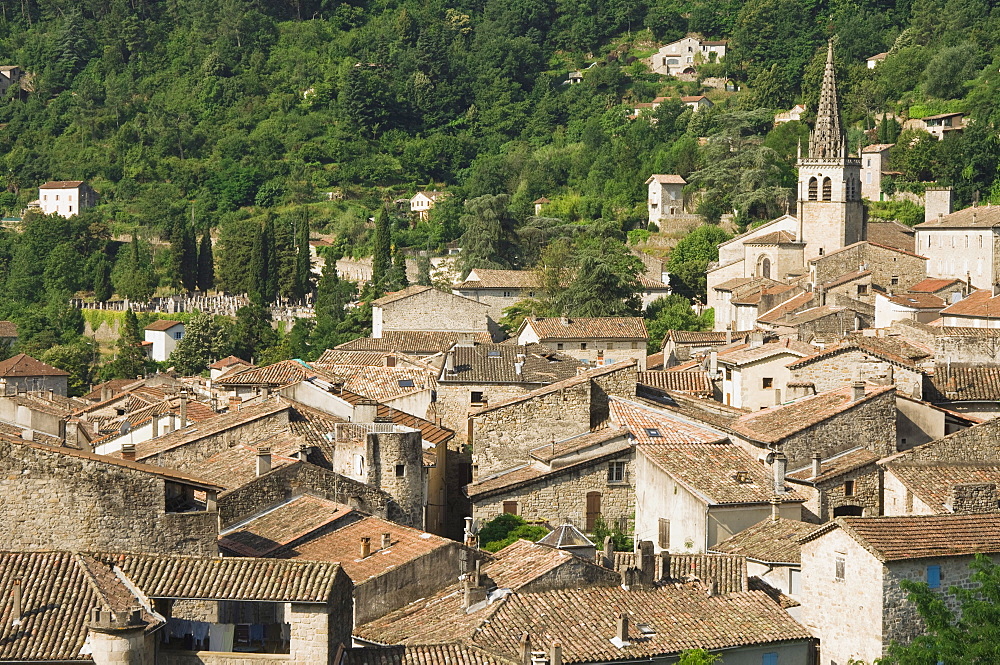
(779, 422)
(861, 244)
(508, 363)
(25, 365)
(229, 361)
(963, 383)
(745, 354)
(774, 238)
(918, 300)
(890, 349)
(877, 147)
(605, 327)
(920, 536)
(429, 432)
(775, 314)
(979, 304)
(566, 536)
(706, 338)
(658, 427)
(835, 466)
(236, 465)
(695, 382)
(773, 540)
(162, 324)
(280, 524)
(976, 217)
(933, 285)
(417, 342)
(381, 384)
(61, 184)
(277, 374)
(488, 278)
(666, 179)
(933, 482)
(846, 278)
(422, 654)
(416, 290)
(582, 378)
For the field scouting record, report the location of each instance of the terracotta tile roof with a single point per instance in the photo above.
(809, 315)
(920, 536)
(227, 578)
(556, 449)
(229, 361)
(369, 358)
(932, 285)
(650, 284)
(281, 524)
(429, 431)
(981, 217)
(746, 354)
(655, 361)
(700, 411)
(8, 329)
(774, 424)
(719, 474)
(665, 179)
(237, 465)
(709, 338)
(964, 331)
(24, 365)
(918, 300)
(584, 620)
(162, 324)
(877, 147)
(734, 283)
(527, 474)
(608, 327)
(116, 386)
(872, 244)
(312, 424)
(61, 184)
(658, 427)
(495, 363)
(694, 382)
(279, 374)
(580, 379)
(979, 304)
(727, 571)
(933, 483)
(846, 278)
(892, 349)
(755, 583)
(483, 278)
(769, 541)
(892, 234)
(773, 238)
(58, 591)
(963, 383)
(753, 293)
(343, 545)
(795, 302)
(835, 466)
(212, 426)
(412, 290)
(422, 654)
(379, 383)
(416, 342)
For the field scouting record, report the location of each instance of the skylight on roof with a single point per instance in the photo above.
(406, 383)
(645, 629)
(493, 354)
(653, 433)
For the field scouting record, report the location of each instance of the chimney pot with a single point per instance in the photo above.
(128, 451)
(779, 467)
(817, 460)
(622, 634)
(366, 547)
(775, 508)
(263, 460)
(386, 540)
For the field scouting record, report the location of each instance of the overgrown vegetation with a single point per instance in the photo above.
(505, 529)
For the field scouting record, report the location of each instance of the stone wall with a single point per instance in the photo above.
(974, 498)
(839, 370)
(49, 500)
(871, 424)
(967, 349)
(832, 494)
(435, 310)
(387, 452)
(454, 403)
(976, 444)
(287, 480)
(908, 269)
(561, 498)
(167, 657)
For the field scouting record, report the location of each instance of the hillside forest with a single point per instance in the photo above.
(220, 135)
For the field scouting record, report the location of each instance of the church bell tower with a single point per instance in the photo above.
(830, 212)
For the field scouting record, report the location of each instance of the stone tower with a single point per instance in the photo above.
(830, 212)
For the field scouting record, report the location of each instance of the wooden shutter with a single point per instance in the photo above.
(593, 509)
(664, 534)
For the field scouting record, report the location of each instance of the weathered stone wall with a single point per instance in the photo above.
(967, 349)
(188, 454)
(976, 444)
(974, 498)
(454, 403)
(575, 573)
(56, 384)
(281, 483)
(496, 299)
(839, 370)
(386, 453)
(317, 630)
(562, 498)
(49, 500)
(167, 657)
(908, 269)
(871, 424)
(435, 310)
(832, 494)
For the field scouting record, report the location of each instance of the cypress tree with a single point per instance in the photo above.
(382, 254)
(257, 282)
(189, 268)
(206, 263)
(102, 278)
(131, 359)
(303, 261)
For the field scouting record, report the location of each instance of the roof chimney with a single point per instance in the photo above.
(622, 633)
(525, 649)
(857, 390)
(234, 403)
(15, 611)
(184, 409)
(778, 467)
(128, 452)
(555, 658)
(449, 362)
(366, 547)
(390, 361)
(817, 463)
(263, 460)
(756, 339)
(304, 450)
(28, 434)
(365, 411)
(386, 540)
(265, 391)
(775, 508)
(155, 424)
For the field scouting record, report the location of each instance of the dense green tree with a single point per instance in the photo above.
(205, 340)
(303, 260)
(101, 277)
(672, 312)
(206, 264)
(690, 258)
(252, 334)
(605, 283)
(133, 274)
(489, 240)
(130, 358)
(382, 250)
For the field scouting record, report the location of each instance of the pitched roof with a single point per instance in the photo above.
(978, 304)
(418, 342)
(976, 217)
(509, 363)
(711, 337)
(695, 382)
(727, 572)
(229, 361)
(25, 365)
(745, 354)
(566, 536)
(280, 524)
(415, 290)
(381, 384)
(862, 243)
(769, 541)
(487, 278)
(162, 324)
(422, 654)
(963, 383)
(846, 278)
(776, 313)
(933, 483)
(933, 285)
(920, 536)
(719, 474)
(892, 234)
(236, 465)
(61, 184)
(774, 424)
(666, 179)
(581, 378)
(892, 349)
(429, 432)
(877, 147)
(773, 238)
(550, 451)
(277, 374)
(835, 466)
(227, 578)
(918, 300)
(605, 327)
(659, 427)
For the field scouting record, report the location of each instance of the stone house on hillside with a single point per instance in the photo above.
(874, 162)
(596, 341)
(133, 609)
(422, 202)
(22, 373)
(852, 569)
(93, 502)
(892, 270)
(684, 55)
(426, 308)
(665, 197)
(680, 346)
(64, 197)
(499, 289)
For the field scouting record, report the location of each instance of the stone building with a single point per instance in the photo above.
(892, 270)
(754, 376)
(963, 245)
(64, 197)
(844, 484)
(680, 346)
(597, 341)
(52, 498)
(978, 310)
(422, 202)
(852, 569)
(499, 289)
(684, 55)
(134, 609)
(22, 373)
(874, 161)
(425, 308)
(163, 336)
(665, 197)
(972, 391)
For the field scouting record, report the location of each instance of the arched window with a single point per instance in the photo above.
(827, 189)
(812, 189)
(765, 268)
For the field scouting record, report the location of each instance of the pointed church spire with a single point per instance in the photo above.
(827, 141)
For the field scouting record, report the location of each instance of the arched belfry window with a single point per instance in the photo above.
(827, 189)
(812, 189)
(765, 268)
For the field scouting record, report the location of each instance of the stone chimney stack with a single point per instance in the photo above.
(779, 468)
(366, 547)
(128, 452)
(105, 392)
(647, 562)
(775, 509)
(622, 632)
(154, 423)
(234, 403)
(525, 649)
(449, 362)
(857, 390)
(817, 460)
(365, 411)
(15, 611)
(263, 460)
(386, 541)
(184, 409)
(555, 658)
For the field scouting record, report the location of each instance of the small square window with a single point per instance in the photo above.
(848, 488)
(476, 397)
(894, 280)
(400, 470)
(616, 472)
(611, 346)
(583, 346)
(178, 335)
(559, 346)
(510, 507)
(862, 289)
(770, 658)
(767, 382)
